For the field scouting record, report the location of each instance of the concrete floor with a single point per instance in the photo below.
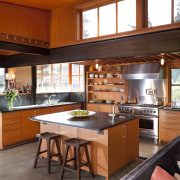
(17, 164)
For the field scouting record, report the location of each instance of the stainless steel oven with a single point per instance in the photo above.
(148, 118)
(148, 126)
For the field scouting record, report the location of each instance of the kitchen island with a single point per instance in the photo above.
(114, 141)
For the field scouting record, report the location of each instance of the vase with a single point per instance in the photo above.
(10, 104)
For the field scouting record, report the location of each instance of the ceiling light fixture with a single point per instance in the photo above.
(162, 59)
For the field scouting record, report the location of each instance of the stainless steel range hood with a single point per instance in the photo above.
(141, 71)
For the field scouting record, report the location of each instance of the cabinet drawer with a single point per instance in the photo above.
(12, 120)
(10, 127)
(169, 120)
(167, 135)
(169, 125)
(10, 115)
(168, 114)
(12, 137)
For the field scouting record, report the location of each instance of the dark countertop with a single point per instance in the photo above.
(98, 121)
(19, 108)
(170, 109)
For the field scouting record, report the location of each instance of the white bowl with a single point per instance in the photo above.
(91, 75)
(101, 75)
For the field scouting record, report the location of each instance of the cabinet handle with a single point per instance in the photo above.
(11, 120)
(12, 125)
(172, 119)
(11, 132)
(45, 123)
(125, 131)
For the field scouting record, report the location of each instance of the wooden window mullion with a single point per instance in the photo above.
(172, 12)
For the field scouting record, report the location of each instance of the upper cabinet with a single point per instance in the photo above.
(24, 25)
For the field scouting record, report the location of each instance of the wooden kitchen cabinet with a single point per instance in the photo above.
(29, 128)
(169, 125)
(11, 128)
(15, 127)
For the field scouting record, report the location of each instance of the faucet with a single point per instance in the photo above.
(49, 100)
(113, 114)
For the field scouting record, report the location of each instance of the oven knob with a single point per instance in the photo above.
(154, 111)
(150, 111)
(144, 111)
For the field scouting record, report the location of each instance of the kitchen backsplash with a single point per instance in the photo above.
(27, 99)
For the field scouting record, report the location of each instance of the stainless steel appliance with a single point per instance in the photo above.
(148, 118)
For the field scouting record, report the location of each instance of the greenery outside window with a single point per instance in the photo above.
(175, 84)
(59, 78)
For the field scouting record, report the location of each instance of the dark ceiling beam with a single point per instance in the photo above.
(23, 48)
(148, 44)
(3, 60)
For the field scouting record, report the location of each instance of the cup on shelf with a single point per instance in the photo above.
(96, 75)
(101, 75)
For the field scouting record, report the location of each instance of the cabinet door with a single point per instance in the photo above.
(117, 147)
(132, 139)
(92, 107)
(30, 128)
(42, 111)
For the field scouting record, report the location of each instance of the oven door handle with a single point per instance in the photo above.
(125, 132)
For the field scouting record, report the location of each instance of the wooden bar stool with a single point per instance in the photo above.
(76, 143)
(48, 137)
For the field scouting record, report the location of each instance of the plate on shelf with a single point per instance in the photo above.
(79, 113)
(91, 101)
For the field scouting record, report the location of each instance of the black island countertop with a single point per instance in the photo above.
(26, 107)
(99, 121)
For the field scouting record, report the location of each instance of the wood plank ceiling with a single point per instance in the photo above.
(169, 58)
(42, 4)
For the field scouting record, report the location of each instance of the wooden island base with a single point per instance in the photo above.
(109, 150)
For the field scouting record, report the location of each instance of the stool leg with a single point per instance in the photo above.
(75, 159)
(48, 154)
(59, 151)
(88, 161)
(78, 162)
(64, 162)
(38, 150)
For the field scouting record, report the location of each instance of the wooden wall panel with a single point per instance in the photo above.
(24, 21)
(63, 26)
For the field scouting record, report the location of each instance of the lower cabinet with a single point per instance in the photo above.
(15, 127)
(169, 125)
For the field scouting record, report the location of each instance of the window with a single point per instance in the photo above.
(2, 80)
(159, 12)
(175, 84)
(57, 78)
(77, 77)
(176, 11)
(109, 19)
(90, 23)
(126, 15)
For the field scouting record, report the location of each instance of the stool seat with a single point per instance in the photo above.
(76, 144)
(48, 137)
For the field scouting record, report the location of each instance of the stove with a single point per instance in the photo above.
(148, 118)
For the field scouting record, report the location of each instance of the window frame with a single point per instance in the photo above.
(60, 76)
(172, 85)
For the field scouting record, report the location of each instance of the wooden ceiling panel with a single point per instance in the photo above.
(42, 4)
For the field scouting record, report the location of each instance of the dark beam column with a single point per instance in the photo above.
(33, 77)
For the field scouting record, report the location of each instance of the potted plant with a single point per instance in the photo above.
(11, 94)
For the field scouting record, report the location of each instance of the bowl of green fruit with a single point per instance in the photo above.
(82, 113)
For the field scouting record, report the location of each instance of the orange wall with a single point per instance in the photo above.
(63, 26)
(24, 21)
